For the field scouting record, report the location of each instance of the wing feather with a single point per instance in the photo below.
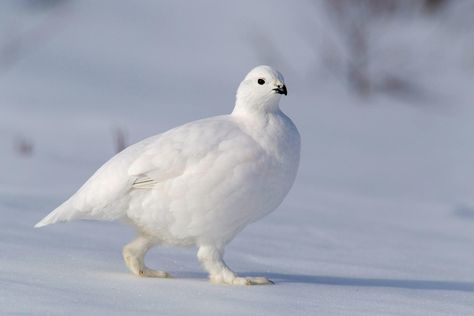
(105, 196)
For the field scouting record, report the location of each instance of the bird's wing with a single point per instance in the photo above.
(160, 160)
(180, 149)
(154, 160)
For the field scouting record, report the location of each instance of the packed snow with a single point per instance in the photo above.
(380, 219)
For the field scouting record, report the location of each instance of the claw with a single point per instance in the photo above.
(243, 281)
(153, 273)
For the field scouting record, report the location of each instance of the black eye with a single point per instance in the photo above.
(261, 81)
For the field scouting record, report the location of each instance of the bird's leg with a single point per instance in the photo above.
(211, 258)
(134, 256)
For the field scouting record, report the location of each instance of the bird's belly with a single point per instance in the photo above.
(210, 206)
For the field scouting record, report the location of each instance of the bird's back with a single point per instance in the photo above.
(195, 147)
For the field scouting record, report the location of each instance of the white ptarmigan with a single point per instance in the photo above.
(198, 184)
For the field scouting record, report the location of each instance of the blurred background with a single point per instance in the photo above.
(382, 92)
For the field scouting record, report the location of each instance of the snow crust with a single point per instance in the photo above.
(381, 217)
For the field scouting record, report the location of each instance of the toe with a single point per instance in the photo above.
(259, 281)
(251, 281)
(154, 273)
(241, 281)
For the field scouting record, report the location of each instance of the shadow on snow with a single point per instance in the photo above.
(372, 282)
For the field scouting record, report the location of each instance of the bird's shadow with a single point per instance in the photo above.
(412, 284)
(372, 282)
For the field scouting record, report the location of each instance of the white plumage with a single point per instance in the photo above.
(199, 183)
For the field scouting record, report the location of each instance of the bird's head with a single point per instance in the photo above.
(260, 90)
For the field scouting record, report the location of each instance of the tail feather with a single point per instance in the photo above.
(60, 214)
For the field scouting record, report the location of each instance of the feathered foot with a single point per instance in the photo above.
(134, 255)
(219, 273)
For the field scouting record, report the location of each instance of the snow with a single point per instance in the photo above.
(380, 220)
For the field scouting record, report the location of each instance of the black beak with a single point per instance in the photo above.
(281, 90)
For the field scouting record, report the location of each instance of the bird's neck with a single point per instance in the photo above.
(264, 107)
(273, 130)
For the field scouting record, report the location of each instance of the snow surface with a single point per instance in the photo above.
(379, 222)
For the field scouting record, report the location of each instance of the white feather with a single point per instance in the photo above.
(202, 182)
